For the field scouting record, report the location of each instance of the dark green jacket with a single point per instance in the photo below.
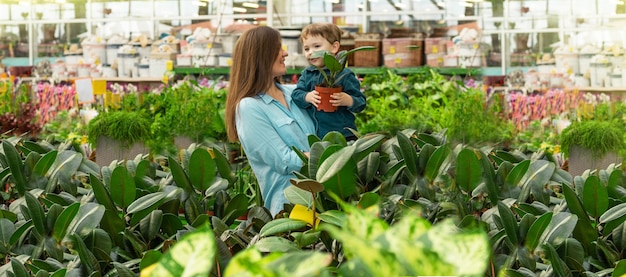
(330, 121)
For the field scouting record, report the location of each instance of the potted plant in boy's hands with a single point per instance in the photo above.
(335, 65)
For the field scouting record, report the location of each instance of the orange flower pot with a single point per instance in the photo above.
(325, 93)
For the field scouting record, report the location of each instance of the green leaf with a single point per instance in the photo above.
(281, 225)
(276, 244)
(123, 189)
(88, 217)
(87, 259)
(36, 213)
(202, 169)
(297, 195)
(193, 255)
(151, 225)
(16, 166)
(334, 163)
(613, 213)
(468, 170)
(368, 167)
(334, 217)
(509, 223)
(63, 170)
(584, 230)
(101, 193)
(43, 165)
(146, 201)
(99, 242)
(366, 145)
(63, 221)
(517, 173)
(223, 166)
(559, 267)
(180, 176)
(536, 230)
(620, 268)
(560, 228)
(408, 152)
(18, 268)
(595, 196)
(539, 174)
(435, 161)
(368, 199)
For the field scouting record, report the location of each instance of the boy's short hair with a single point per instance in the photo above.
(328, 31)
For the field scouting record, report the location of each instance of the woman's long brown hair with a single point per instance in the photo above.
(253, 58)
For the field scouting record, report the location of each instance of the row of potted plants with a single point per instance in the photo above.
(378, 206)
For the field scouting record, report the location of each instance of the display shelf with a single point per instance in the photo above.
(357, 70)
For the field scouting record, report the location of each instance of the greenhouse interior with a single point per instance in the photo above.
(488, 139)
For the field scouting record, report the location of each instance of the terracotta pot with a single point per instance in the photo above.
(325, 93)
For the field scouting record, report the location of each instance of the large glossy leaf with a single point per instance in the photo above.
(18, 268)
(368, 167)
(171, 224)
(7, 228)
(99, 243)
(533, 235)
(539, 174)
(509, 223)
(517, 173)
(180, 176)
(101, 193)
(281, 225)
(613, 213)
(144, 173)
(468, 170)
(20, 234)
(425, 154)
(559, 267)
(276, 244)
(44, 164)
(36, 213)
(408, 152)
(87, 259)
(151, 225)
(561, 227)
(334, 163)
(123, 189)
(584, 230)
(146, 201)
(88, 217)
(193, 255)
(237, 206)
(595, 196)
(202, 169)
(64, 220)
(63, 170)
(620, 268)
(366, 145)
(573, 253)
(436, 160)
(16, 166)
(297, 195)
(615, 186)
(619, 237)
(223, 166)
(318, 149)
(333, 217)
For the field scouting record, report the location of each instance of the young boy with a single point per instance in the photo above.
(326, 37)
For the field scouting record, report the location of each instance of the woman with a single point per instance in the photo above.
(262, 116)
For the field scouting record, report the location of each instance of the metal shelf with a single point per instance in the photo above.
(358, 70)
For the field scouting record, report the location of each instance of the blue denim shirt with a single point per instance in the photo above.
(330, 121)
(267, 131)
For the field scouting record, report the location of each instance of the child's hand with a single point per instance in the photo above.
(313, 97)
(341, 99)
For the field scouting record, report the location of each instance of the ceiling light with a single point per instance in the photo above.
(239, 10)
(250, 5)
